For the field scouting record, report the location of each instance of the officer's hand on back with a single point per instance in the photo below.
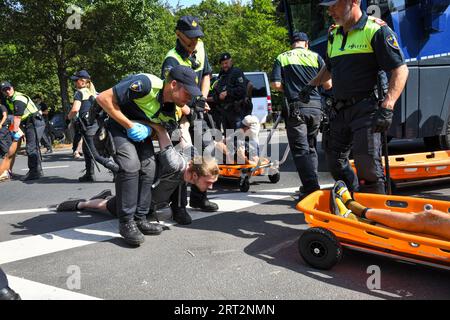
(305, 93)
(139, 132)
(383, 119)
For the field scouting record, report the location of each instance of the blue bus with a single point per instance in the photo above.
(423, 29)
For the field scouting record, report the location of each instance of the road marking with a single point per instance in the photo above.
(30, 290)
(52, 242)
(47, 168)
(2, 213)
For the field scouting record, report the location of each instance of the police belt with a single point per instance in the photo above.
(345, 103)
(311, 104)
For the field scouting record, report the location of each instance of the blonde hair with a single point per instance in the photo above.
(204, 167)
(90, 86)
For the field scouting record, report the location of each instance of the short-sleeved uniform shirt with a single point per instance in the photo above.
(171, 62)
(137, 87)
(295, 69)
(86, 99)
(354, 58)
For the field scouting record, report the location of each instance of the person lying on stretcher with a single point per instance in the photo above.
(430, 221)
(242, 147)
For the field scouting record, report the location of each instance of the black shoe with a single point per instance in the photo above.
(203, 205)
(87, 178)
(102, 195)
(33, 175)
(181, 216)
(130, 233)
(9, 294)
(69, 205)
(148, 228)
(113, 166)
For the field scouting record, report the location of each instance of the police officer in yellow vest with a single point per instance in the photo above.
(358, 48)
(190, 51)
(135, 100)
(26, 115)
(291, 72)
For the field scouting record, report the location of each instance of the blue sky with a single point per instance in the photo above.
(188, 3)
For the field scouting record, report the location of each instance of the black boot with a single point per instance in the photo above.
(181, 216)
(9, 294)
(199, 200)
(87, 178)
(130, 233)
(148, 228)
(33, 175)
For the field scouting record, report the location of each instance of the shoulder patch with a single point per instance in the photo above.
(379, 21)
(136, 86)
(392, 42)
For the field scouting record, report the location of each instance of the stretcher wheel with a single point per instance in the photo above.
(274, 178)
(244, 184)
(320, 248)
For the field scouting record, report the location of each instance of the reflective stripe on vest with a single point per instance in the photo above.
(200, 55)
(31, 107)
(358, 41)
(299, 56)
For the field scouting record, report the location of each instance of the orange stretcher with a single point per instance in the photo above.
(418, 166)
(321, 245)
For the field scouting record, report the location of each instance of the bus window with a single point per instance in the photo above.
(307, 16)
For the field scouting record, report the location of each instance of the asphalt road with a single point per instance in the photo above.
(246, 251)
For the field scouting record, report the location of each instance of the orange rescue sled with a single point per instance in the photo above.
(321, 245)
(418, 166)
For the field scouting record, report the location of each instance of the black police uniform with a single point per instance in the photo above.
(198, 61)
(235, 83)
(46, 139)
(88, 129)
(136, 159)
(5, 136)
(33, 127)
(294, 69)
(354, 60)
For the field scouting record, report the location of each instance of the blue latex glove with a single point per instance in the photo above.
(15, 136)
(139, 132)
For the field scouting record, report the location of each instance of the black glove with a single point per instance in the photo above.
(200, 105)
(382, 120)
(305, 93)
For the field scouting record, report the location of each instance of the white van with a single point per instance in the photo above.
(261, 98)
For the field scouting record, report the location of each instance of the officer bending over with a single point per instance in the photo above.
(146, 98)
(358, 48)
(26, 116)
(292, 72)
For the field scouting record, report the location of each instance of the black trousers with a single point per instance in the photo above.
(3, 279)
(302, 129)
(34, 130)
(352, 129)
(89, 147)
(136, 175)
(231, 119)
(5, 141)
(46, 139)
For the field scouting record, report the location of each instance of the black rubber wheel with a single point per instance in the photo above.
(320, 248)
(244, 184)
(274, 178)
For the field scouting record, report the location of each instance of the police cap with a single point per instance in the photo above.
(327, 3)
(224, 56)
(187, 78)
(4, 85)
(82, 74)
(190, 27)
(299, 36)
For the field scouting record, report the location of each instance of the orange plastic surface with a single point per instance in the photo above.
(316, 209)
(418, 166)
(235, 170)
